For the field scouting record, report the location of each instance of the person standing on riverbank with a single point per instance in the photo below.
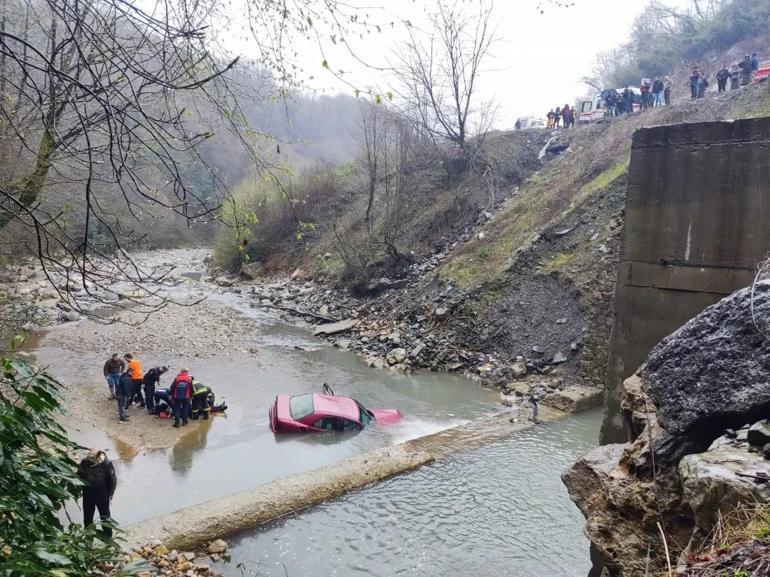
(181, 391)
(98, 473)
(112, 371)
(135, 370)
(150, 380)
(123, 393)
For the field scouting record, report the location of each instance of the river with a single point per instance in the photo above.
(498, 509)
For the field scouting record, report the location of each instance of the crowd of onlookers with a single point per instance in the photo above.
(564, 116)
(739, 74)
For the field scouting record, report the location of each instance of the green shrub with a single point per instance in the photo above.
(37, 477)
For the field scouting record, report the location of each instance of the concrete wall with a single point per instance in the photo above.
(697, 222)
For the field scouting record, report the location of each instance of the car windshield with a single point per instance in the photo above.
(366, 416)
(301, 406)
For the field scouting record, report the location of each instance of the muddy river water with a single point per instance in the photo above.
(499, 509)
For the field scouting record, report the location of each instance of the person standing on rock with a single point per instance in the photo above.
(135, 370)
(150, 381)
(123, 393)
(112, 371)
(98, 473)
(181, 391)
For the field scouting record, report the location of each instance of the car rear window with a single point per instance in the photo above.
(301, 406)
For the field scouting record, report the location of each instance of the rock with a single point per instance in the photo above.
(160, 550)
(559, 358)
(766, 451)
(518, 369)
(396, 356)
(440, 313)
(394, 337)
(218, 546)
(299, 274)
(173, 556)
(224, 281)
(189, 555)
(184, 566)
(455, 366)
(711, 482)
(712, 373)
(759, 434)
(574, 399)
(252, 270)
(70, 316)
(589, 474)
(334, 328)
(417, 350)
(324, 311)
(538, 350)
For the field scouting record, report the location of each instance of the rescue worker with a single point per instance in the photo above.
(100, 482)
(113, 368)
(135, 370)
(181, 391)
(122, 393)
(163, 403)
(150, 380)
(202, 401)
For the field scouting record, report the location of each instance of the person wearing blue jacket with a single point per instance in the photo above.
(123, 391)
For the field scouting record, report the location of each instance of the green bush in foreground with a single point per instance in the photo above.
(37, 477)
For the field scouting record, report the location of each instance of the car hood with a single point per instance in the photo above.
(386, 415)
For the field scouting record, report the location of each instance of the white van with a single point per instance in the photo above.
(594, 109)
(529, 122)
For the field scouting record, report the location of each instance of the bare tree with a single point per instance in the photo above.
(372, 137)
(112, 96)
(439, 73)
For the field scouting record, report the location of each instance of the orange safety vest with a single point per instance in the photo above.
(135, 369)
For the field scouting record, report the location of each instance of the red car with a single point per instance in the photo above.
(317, 413)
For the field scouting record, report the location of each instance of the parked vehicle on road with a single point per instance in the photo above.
(594, 109)
(319, 413)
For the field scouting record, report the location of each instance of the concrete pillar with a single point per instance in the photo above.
(696, 225)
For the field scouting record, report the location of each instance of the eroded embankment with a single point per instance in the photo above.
(192, 527)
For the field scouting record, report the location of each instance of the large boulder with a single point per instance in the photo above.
(714, 372)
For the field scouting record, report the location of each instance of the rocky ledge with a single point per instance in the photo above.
(699, 446)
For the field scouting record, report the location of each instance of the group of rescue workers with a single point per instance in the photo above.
(184, 399)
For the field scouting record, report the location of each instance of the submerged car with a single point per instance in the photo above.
(318, 413)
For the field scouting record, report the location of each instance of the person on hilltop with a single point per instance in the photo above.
(566, 116)
(122, 393)
(150, 381)
(657, 92)
(98, 473)
(181, 391)
(703, 85)
(556, 117)
(722, 76)
(667, 84)
(113, 368)
(549, 116)
(628, 100)
(747, 72)
(135, 370)
(754, 62)
(694, 79)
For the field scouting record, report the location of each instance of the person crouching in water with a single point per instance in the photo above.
(150, 381)
(98, 473)
(181, 391)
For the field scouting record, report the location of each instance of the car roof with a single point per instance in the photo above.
(337, 406)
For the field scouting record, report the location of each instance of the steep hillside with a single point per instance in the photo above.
(525, 287)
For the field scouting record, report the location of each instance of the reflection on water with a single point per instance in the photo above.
(498, 510)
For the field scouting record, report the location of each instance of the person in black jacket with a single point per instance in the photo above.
(123, 391)
(150, 381)
(98, 473)
(722, 76)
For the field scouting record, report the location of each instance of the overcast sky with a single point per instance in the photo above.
(536, 65)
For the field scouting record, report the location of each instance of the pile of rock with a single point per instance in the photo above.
(156, 560)
(698, 450)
